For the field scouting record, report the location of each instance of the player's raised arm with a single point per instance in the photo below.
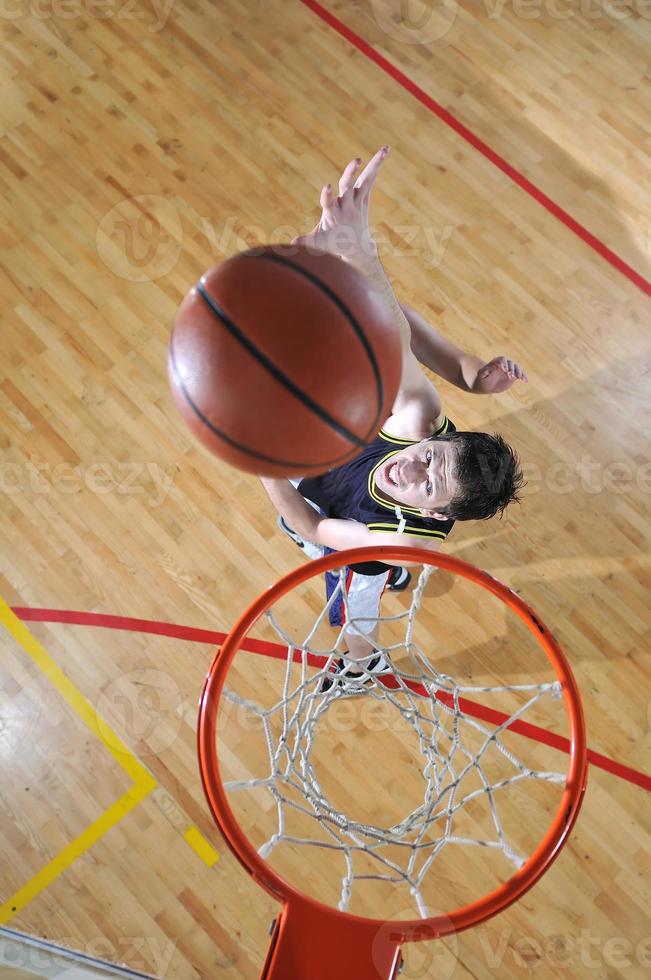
(343, 229)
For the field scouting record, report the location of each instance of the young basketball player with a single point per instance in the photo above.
(419, 475)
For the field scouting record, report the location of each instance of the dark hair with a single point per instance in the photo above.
(489, 475)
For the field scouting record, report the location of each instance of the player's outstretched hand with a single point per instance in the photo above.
(343, 227)
(498, 375)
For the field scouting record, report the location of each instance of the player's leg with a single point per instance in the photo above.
(361, 633)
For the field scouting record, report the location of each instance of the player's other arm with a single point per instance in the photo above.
(466, 371)
(422, 344)
(341, 535)
(292, 507)
(330, 532)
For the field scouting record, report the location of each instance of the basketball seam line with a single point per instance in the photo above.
(299, 465)
(275, 371)
(357, 327)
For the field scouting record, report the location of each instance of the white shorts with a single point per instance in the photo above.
(363, 591)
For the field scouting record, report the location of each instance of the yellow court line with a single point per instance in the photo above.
(144, 782)
(74, 850)
(123, 755)
(201, 846)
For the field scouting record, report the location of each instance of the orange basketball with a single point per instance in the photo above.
(284, 361)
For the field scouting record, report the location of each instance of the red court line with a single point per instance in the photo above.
(446, 117)
(275, 650)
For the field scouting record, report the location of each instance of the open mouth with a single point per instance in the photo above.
(391, 474)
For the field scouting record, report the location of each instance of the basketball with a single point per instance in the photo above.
(284, 361)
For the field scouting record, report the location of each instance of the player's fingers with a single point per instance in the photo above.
(326, 197)
(367, 177)
(347, 178)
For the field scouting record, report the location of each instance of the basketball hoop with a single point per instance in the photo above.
(313, 940)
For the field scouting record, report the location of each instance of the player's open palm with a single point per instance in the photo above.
(498, 375)
(343, 227)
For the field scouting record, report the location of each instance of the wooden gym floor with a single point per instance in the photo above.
(142, 142)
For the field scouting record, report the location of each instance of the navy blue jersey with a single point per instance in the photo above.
(348, 492)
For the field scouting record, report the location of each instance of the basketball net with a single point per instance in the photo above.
(454, 741)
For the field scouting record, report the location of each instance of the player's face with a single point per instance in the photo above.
(421, 476)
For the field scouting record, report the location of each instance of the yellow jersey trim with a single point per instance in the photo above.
(418, 531)
(396, 439)
(399, 441)
(372, 492)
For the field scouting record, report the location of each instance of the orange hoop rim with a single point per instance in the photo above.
(402, 930)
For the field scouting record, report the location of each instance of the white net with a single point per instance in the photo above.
(466, 755)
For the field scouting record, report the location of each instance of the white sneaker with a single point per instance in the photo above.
(377, 663)
(311, 550)
(353, 674)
